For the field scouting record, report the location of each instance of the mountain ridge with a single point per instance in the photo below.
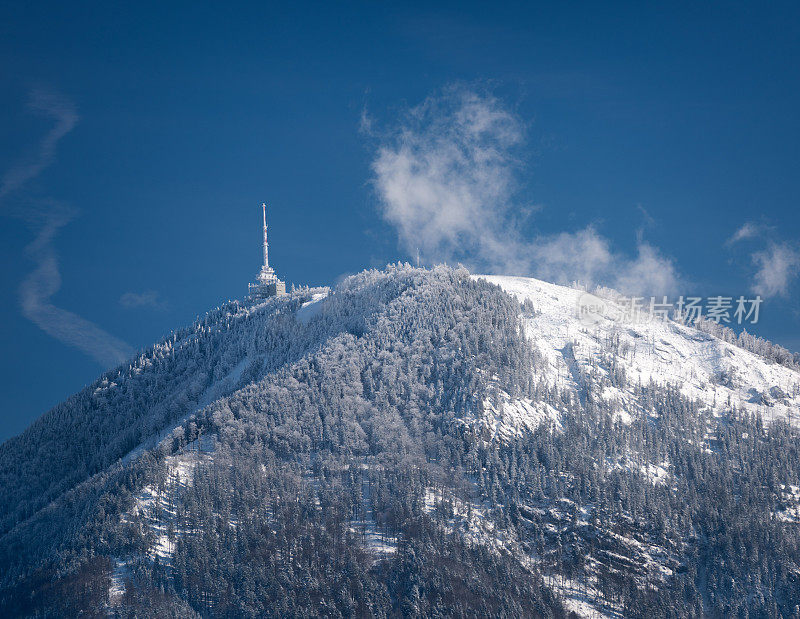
(414, 411)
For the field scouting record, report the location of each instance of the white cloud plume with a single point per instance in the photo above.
(582, 256)
(776, 265)
(776, 268)
(650, 273)
(46, 218)
(446, 177)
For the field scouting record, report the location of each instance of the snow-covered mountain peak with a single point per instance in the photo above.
(408, 441)
(705, 368)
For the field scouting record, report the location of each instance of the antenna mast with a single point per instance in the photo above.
(266, 245)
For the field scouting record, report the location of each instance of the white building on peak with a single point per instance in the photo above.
(267, 283)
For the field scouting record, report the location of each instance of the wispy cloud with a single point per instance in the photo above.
(776, 267)
(776, 264)
(148, 299)
(46, 217)
(447, 179)
(748, 230)
(62, 111)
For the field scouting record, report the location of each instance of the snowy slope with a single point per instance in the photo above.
(705, 368)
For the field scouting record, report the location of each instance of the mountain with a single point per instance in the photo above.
(415, 442)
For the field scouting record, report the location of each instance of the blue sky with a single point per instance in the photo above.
(146, 136)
